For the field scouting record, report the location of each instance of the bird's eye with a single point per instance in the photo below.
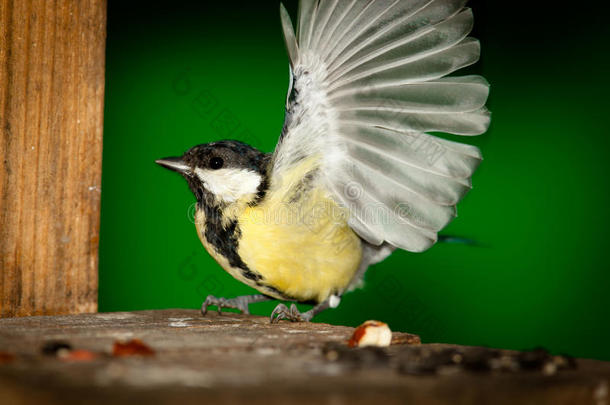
(216, 163)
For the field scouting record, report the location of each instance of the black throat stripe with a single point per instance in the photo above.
(225, 239)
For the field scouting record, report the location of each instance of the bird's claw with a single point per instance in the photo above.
(291, 314)
(220, 303)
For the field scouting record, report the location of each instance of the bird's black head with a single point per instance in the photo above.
(222, 172)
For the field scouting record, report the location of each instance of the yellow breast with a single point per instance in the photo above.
(299, 241)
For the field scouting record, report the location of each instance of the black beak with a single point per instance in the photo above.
(175, 164)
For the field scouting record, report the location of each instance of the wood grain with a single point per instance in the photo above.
(51, 117)
(231, 358)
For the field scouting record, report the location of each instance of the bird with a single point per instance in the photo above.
(359, 169)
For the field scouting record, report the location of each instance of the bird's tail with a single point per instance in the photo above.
(459, 240)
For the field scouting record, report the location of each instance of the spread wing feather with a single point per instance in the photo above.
(367, 84)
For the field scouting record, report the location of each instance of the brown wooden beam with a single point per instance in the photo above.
(51, 117)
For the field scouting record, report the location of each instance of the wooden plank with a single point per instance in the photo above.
(232, 358)
(51, 119)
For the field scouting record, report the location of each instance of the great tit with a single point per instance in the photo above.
(355, 173)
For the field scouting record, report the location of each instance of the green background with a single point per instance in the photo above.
(184, 73)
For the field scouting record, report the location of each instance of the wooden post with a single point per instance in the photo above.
(51, 116)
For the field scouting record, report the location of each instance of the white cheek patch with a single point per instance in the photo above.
(229, 184)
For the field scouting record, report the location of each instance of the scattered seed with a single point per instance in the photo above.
(134, 347)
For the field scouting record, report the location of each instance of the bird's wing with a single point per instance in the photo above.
(367, 85)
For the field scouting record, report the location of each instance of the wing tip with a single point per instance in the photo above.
(289, 35)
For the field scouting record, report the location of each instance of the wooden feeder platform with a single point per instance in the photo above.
(181, 357)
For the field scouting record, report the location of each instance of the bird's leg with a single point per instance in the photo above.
(240, 303)
(292, 314)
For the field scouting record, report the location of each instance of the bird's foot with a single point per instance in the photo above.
(240, 303)
(292, 314)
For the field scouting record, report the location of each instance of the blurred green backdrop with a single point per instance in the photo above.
(184, 73)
